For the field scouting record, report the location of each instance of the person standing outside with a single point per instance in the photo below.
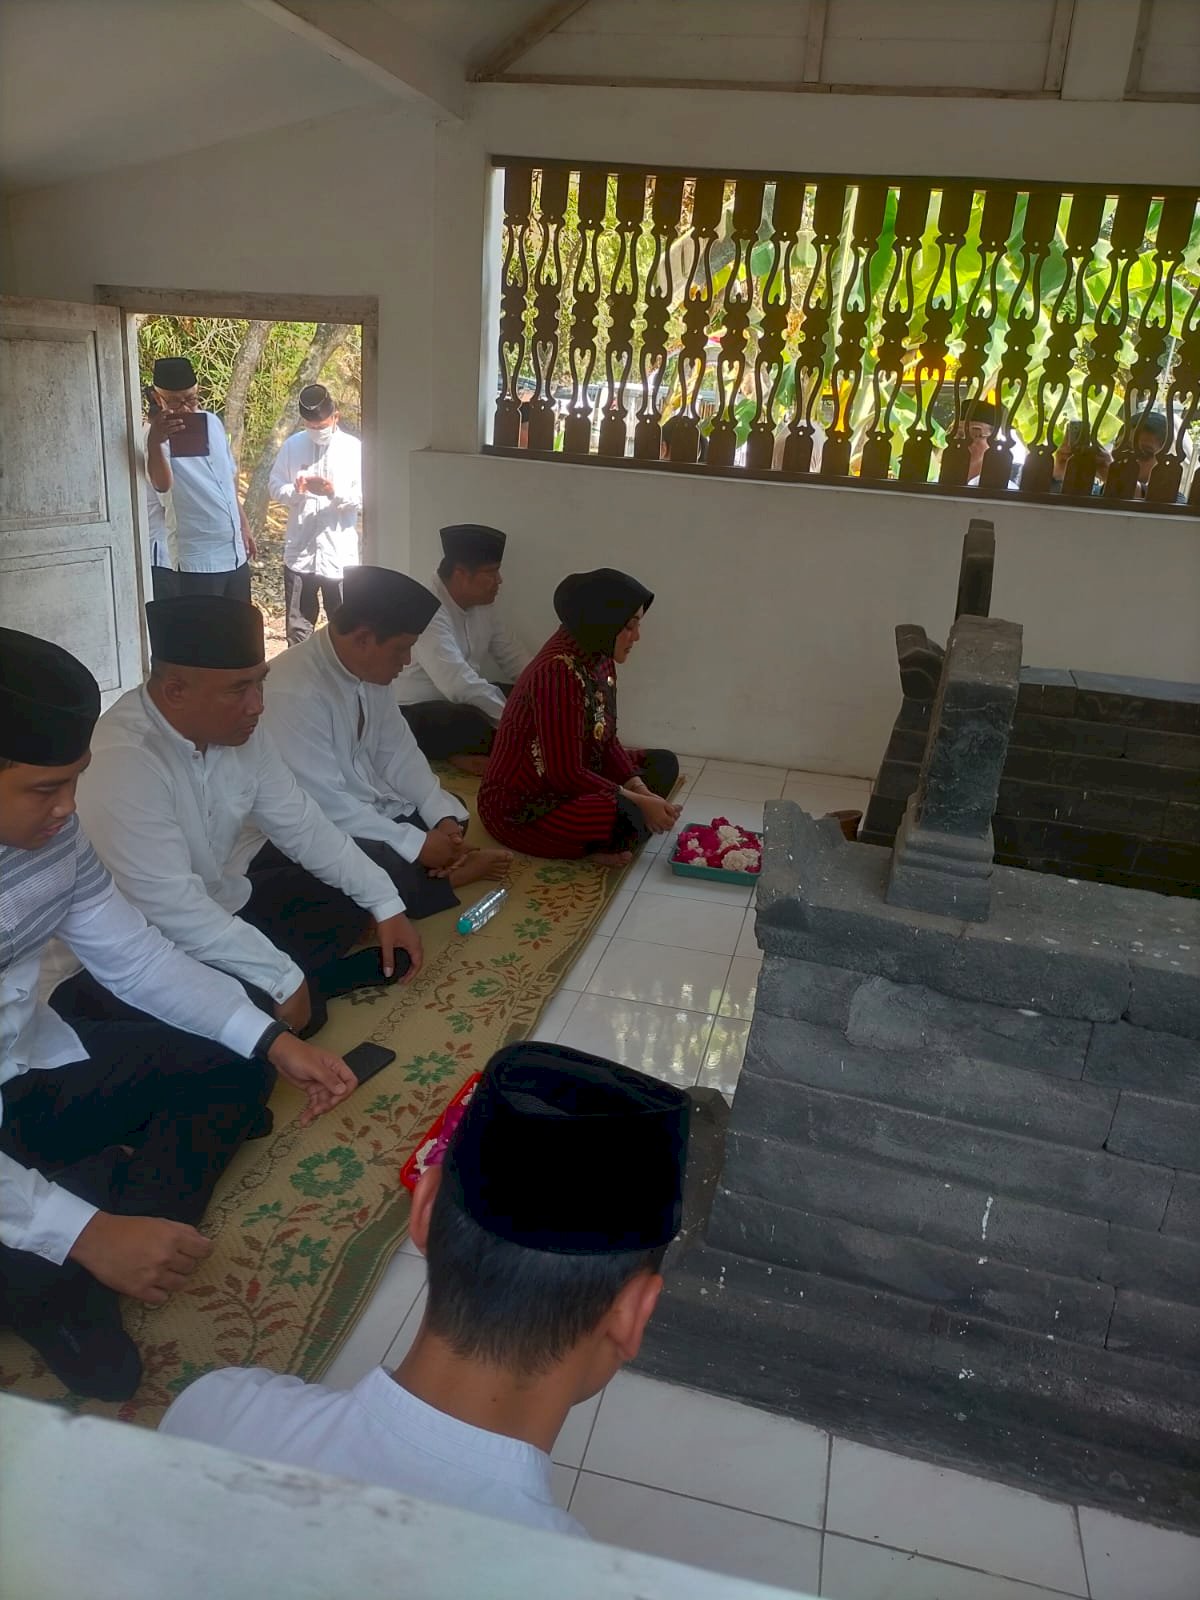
(318, 476)
(189, 461)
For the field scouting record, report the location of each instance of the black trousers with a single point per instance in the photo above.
(293, 908)
(183, 1103)
(234, 585)
(443, 729)
(659, 772)
(162, 583)
(303, 594)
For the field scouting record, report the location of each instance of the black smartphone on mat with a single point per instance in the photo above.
(365, 1060)
(192, 438)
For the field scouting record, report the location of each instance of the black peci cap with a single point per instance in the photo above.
(49, 702)
(206, 630)
(565, 1152)
(173, 373)
(387, 601)
(473, 544)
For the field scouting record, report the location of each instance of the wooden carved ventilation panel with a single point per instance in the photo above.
(989, 338)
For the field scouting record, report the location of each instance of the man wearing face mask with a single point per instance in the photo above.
(318, 476)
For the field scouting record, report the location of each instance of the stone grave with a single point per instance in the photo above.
(1102, 777)
(959, 1207)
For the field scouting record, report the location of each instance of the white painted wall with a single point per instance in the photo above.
(93, 1507)
(772, 633)
(809, 679)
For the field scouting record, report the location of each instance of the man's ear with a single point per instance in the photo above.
(629, 1313)
(173, 688)
(424, 1195)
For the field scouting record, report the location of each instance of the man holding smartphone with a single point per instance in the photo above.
(188, 460)
(317, 475)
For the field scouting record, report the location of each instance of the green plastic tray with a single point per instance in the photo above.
(684, 869)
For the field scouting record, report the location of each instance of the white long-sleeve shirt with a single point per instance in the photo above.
(201, 506)
(450, 656)
(322, 530)
(366, 781)
(62, 891)
(177, 827)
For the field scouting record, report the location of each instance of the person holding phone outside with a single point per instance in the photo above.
(188, 460)
(317, 475)
(162, 535)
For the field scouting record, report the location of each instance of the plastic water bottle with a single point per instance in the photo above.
(482, 911)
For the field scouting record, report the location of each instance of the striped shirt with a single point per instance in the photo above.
(63, 891)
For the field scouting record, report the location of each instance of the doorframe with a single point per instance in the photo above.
(135, 300)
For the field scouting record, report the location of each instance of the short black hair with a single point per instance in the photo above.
(516, 1308)
(472, 564)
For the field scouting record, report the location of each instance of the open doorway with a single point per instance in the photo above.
(258, 373)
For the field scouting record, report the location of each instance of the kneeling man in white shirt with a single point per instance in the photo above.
(451, 705)
(183, 787)
(332, 712)
(543, 1273)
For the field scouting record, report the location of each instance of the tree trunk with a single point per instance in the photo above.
(241, 376)
(326, 341)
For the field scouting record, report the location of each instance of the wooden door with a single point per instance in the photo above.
(70, 569)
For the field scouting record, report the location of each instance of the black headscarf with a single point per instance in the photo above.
(49, 702)
(594, 606)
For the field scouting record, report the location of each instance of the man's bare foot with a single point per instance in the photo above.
(611, 858)
(479, 864)
(475, 765)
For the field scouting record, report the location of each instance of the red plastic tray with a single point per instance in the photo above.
(431, 1147)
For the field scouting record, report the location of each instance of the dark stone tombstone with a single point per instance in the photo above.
(975, 569)
(944, 849)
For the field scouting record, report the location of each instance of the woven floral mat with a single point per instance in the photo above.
(305, 1222)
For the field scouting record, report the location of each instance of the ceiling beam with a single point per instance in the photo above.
(1060, 43)
(377, 45)
(519, 43)
(814, 42)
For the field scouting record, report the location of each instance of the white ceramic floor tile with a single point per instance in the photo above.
(667, 1044)
(1129, 1560)
(709, 1448)
(555, 1015)
(752, 769)
(748, 946)
(403, 1342)
(724, 1056)
(799, 775)
(562, 1485)
(686, 924)
(854, 1571)
(613, 912)
(697, 1533)
(910, 1505)
(635, 874)
(576, 1431)
(704, 807)
(741, 987)
(577, 975)
(393, 1299)
(661, 975)
(661, 880)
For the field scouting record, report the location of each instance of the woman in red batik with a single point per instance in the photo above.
(559, 782)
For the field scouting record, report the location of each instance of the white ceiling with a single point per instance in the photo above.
(92, 85)
(89, 85)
